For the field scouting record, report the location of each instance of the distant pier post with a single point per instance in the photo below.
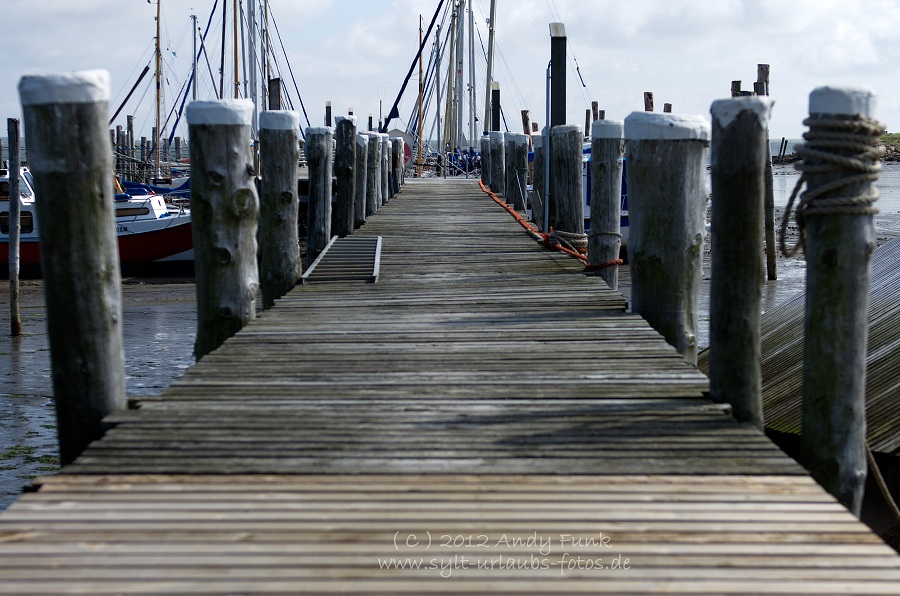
(666, 157)
(566, 198)
(385, 168)
(605, 239)
(498, 164)
(762, 87)
(738, 150)
(345, 175)
(837, 210)
(362, 160)
(397, 156)
(279, 246)
(318, 213)
(15, 227)
(71, 162)
(224, 215)
(373, 174)
(486, 160)
(516, 153)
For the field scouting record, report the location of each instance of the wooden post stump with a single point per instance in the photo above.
(15, 227)
(666, 175)
(362, 160)
(71, 162)
(516, 153)
(566, 198)
(279, 204)
(840, 239)
(605, 239)
(498, 164)
(739, 131)
(345, 173)
(224, 215)
(486, 160)
(373, 174)
(318, 213)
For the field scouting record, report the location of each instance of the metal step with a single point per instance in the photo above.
(346, 259)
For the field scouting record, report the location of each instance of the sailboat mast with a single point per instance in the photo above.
(237, 81)
(451, 85)
(460, 60)
(490, 65)
(254, 83)
(158, 84)
(421, 94)
(194, 59)
(471, 74)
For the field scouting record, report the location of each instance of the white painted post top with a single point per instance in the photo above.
(496, 137)
(362, 139)
(516, 137)
(557, 30)
(670, 127)
(279, 120)
(537, 140)
(376, 136)
(608, 129)
(724, 111)
(844, 101)
(234, 112)
(565, 129)
(86, 86)
(318, 130)
(495, 85)
(351, 118)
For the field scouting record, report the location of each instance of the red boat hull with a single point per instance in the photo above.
(134, 248)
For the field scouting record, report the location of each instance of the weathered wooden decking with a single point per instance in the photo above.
(484, 419)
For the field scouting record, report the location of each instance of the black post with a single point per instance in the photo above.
(495, 106)
(557, 74)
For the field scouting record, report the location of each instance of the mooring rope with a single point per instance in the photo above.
(572, 240)
(858, 141)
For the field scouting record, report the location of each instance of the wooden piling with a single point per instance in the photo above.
(224, 214)
(648, 101)
(840, 239)
(486, 160)
(516, 166)
(605, 239)
(667, 108)
(666, 175)
(738, 167)
(735, 88)
(71, 162)
(328, 122)
(587, 123)
(373, 174)
(526, 122)
(498, 163)
(762, 88)
(537, 195)
(566, 198)
(345, 175)
(385, 168)
(318, 213)
(362, 160)
(397, 160)
(279, 204)
(595, 111)
(15, 227)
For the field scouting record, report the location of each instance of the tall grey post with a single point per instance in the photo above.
(516, 152)
(224, 216)
(373, 174)
(558, 66)
(738, 160)
(318, 213)
(605, 239)
(71, 163)
(498, 164)
(838, 210)
(566, 190)
(666, 175)
(362, 160)
(345, 175)
(15, 227)
(279, 204)
(486, 160)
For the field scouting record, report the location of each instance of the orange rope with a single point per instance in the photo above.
(535, 233)
(604, 265)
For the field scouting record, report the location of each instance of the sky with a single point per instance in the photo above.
(357, 52)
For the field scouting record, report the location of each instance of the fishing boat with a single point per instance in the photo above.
(148, 229)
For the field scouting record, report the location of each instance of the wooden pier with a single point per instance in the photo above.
(483, 419)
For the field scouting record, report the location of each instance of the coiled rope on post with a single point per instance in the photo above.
(571, 240)
(851, 144)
